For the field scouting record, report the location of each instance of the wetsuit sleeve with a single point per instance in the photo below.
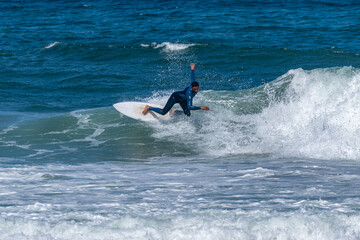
(189, 103)
(189, 96)
(192, 76)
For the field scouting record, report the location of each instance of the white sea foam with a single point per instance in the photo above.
(175, 199)
(311, 114)
(208, 225)
(256, 173)
(318, 116)
(85, 122)
(51, 45)
(169, 47)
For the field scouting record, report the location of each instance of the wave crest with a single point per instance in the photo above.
(52, 45)
(169, 47)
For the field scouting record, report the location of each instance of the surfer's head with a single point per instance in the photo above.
(195, 87)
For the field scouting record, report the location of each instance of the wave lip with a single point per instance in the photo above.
(313, 114)
(169, 47)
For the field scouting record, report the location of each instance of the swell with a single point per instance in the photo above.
(302, 113)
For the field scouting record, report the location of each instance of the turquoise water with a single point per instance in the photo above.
(277, 157)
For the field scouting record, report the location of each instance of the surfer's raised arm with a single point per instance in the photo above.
(192, 66)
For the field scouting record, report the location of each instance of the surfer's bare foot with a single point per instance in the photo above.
(146, 109)
(173, 112)
(192, 66)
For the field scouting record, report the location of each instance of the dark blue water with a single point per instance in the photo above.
(276, 157)
(99, 60)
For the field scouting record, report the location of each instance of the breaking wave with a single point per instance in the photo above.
(304, 113)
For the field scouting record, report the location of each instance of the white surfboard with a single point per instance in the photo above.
(134, 110)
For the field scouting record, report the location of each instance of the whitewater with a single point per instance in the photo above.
(300, 114)
(249, 171)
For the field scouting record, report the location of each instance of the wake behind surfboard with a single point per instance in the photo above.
(134, 110)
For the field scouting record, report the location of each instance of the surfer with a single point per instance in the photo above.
(184, 98)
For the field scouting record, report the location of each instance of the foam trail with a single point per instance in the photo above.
(52, 45)
(169, 47)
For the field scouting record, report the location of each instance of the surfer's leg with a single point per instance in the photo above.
(174, 98)
(178, 112)
(185, 108)
(157, 110)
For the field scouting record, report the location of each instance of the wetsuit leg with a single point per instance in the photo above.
(174, 98)
(185, 108)
(178, 112)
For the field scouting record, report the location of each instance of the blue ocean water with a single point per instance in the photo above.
(276, 157)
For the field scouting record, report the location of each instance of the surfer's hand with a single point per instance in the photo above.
(192, 66)
(205, 108)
